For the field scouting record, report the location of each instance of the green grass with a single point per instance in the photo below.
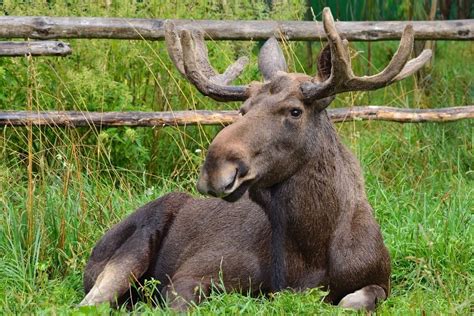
(61, 189)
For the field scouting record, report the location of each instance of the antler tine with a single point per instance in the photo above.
(341, 69)
(414, 65)
(202, 58)
(342, 78)
(189, 53)
(395, 66)
(201, 53)
(173, 46)
(340, 58)
(232, 72)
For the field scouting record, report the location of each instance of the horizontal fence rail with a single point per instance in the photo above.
(40, 27)
(37, 48)
(204, 117)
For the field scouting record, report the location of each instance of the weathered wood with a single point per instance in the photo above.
(40, 27)
(203, 117)
(401, 115)
(36, 48)
(77, 119)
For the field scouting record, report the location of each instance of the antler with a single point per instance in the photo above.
(188, 52)
(342, 78)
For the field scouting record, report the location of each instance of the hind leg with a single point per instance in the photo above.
(125, 252)
(108, 287)
(127, 264)
(365, 298)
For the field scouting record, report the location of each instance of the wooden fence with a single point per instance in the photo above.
(47, 28)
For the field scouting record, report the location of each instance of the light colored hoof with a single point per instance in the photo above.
(357, 301)
(363, 299)
(85, 302)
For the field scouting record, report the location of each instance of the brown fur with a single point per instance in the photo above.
(305, 223)
(305, 178)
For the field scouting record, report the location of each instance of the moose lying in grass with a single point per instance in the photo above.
(305, 221)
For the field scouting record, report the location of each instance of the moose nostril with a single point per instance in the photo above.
(243, 169)
(231, 183)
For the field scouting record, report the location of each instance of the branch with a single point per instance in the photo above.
(204, 117)
(41, 27)
(401, 115)
(40, 48)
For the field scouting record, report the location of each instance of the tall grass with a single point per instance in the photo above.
(60, 188)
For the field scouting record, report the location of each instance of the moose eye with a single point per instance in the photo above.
(296, 113)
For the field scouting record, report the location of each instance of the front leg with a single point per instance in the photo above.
(359, 266)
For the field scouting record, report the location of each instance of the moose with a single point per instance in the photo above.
(289, 208)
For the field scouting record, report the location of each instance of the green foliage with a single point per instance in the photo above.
(357, 10)
(419, 178)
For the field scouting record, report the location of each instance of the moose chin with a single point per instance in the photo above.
(289, 208)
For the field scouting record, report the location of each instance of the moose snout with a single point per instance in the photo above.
(221, 179)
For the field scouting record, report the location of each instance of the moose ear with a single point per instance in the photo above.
(324, 63)
(271, 59)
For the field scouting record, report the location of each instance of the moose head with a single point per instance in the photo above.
(283, 119)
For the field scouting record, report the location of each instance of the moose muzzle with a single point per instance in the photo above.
(223, 179)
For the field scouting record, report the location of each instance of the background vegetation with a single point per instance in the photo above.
(60, 189)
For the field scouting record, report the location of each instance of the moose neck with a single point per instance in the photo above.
(305, 209)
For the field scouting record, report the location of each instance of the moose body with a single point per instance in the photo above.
(294, 212)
